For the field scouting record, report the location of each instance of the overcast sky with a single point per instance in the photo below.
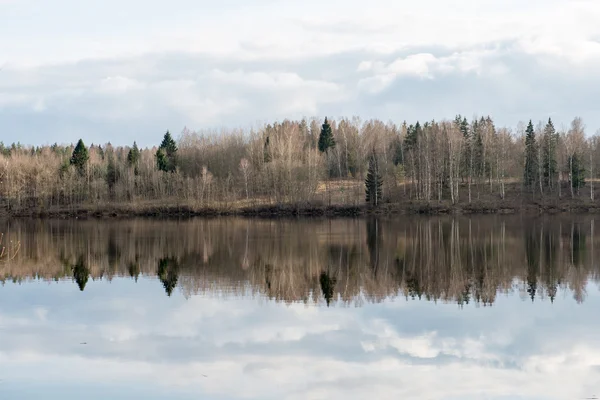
(130, 69)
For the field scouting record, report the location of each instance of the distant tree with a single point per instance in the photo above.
(531, 158)
(166, 155)
(267, 150)
(112, 174)
(80, 157)
(549, 145)
(161, 160)
(133, 157)
(373, 182)
(397, 154)
(326, 139)
(577, 172)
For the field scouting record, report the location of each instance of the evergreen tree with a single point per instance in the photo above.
(80, 157)
(412, 132)
(168, 160)
(465, 158)
(267, 151)
(396, 150)
(161, 160)
(112, 174)
(373, 182)
(531, 159)
(133, 158)
(577, 172)
(477, 148)
(549, 145)
(326, 140)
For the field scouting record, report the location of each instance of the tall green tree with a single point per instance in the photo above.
(577, 172)
(373, 182)
(549, 145)
(530, 174)
(166, 155)
(326, 139)
(80, 157)
(112, 174)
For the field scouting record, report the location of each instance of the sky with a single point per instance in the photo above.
(129, 70)
(139, 343)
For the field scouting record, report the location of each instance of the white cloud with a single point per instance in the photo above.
(104, 68)
(201, 345)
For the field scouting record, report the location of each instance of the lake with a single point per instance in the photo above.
(487, 307)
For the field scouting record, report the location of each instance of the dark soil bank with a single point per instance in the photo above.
(577, 206)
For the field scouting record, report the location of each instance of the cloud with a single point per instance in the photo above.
(139, 340)
(129, 70)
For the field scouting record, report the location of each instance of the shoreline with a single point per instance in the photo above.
(123, 211)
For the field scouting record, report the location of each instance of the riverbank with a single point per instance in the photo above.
(150, 210)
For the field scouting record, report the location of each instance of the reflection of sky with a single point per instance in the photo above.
(143, 344)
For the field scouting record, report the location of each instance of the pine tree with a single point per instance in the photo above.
(133, 158)
(477, 148)
(112, 174)
(80, 157)
(577, 172)
(326, 139)
(549, 144)
(531, 159)
(167, 161)
(161, 160)
(267, 151)
(373, 182)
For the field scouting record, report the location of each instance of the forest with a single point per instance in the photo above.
(311, 163)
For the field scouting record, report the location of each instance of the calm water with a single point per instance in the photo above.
(424, 308)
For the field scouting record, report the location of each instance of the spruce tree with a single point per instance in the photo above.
(326, 139)
(167, 161)
(577, 172)
(133, 158)
(80, 157)
(549, 145)
(531, 159)
(112, 174)
(267, 151)
(161, 160)
(373, 182)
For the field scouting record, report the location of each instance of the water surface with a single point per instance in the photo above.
(427, 308)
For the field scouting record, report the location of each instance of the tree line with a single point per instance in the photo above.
(345, 161)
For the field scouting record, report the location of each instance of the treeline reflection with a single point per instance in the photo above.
(350, 261)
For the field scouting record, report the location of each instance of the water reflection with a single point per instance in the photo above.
(352, 261)
(213, 309)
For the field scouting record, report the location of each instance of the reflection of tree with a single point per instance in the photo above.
(168, 269)
(327, 286)
(550, 275)
(532, 252)
(374, 240)
(444, 259)
(134, 269)
(81, 273)
(112, 251)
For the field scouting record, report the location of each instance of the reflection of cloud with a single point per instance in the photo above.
(401, 349)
